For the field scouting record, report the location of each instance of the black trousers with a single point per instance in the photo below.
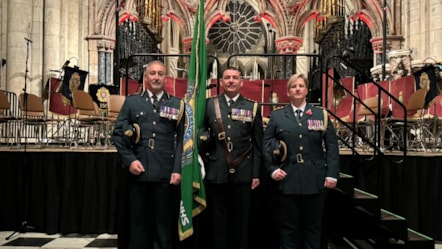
(300, 219)
(153, 215)
(229, 210)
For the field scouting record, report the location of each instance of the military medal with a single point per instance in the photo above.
(169, 112)
(242, 115)
(315, 125)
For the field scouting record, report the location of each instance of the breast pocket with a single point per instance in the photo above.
(138, 117)
(282, 134)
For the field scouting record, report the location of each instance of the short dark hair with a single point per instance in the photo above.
(231, 68)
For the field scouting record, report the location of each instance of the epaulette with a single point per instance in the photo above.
(255, 109)
(134, 95)
(181, 112)
(251, 100)
(171, 96)
(279, 108)
(325, 119)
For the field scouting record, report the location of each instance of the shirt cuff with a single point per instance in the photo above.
(331, 179)
(274, 172)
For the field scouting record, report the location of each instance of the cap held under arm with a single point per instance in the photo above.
(133, 132)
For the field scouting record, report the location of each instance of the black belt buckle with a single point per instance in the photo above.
(299, 158)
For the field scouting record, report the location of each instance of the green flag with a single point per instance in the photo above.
(193, 197)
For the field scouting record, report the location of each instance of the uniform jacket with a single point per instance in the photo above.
(161, 143)
(243, 129)
(312, 149)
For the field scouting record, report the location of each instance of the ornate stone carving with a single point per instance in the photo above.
(393, 42)
(400, 62)
(288, 44)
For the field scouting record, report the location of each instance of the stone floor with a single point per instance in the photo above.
(56, 241)
(75, 241)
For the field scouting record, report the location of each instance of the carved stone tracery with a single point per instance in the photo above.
(288, 44)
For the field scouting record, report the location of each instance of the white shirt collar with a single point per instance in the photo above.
(159, 95)
(234, 98)
(298, 108)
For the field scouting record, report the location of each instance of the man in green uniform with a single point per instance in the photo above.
(231, 142)
(148, 135)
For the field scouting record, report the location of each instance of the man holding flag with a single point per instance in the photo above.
(232, 139)
(193, 199)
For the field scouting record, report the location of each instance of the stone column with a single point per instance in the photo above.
(108, 62)
(99, 44)
(101, 67)
(51, 38)
(435, 30)
(73, 28)
(104, 67)
(18, 27)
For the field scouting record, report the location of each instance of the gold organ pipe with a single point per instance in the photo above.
(146, 8)
(150, 9)
(154, 14)
(158, 15)
(329, 7)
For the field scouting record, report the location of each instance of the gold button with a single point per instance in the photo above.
(154, 123)
(154, 110)
(301, 148)
(229, 127)
(229, 139)
(228, 116)
(300, 135)
(154, 135)
(300, 124)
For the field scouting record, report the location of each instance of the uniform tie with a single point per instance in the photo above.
(231, 101)
(298, 115)
(154, 100)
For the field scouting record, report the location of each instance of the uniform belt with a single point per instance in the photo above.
(154, 142)
(228, 146)
(299, 158)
